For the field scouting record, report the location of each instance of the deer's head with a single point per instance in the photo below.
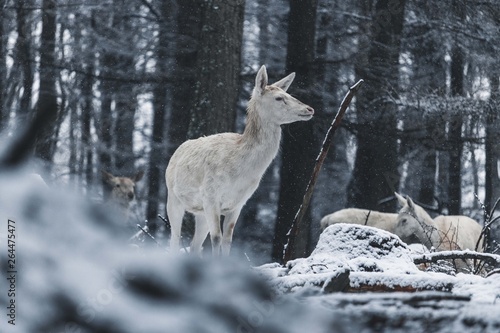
(274, 104)
(122, 189)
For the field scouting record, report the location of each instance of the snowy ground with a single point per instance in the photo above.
(76, 272)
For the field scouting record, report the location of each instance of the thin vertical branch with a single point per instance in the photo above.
(296, 225)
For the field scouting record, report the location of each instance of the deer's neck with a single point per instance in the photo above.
(430, 233)
(260, 140)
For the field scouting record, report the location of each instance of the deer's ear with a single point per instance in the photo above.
(138, 176)
(285, 82)
(106, 176)
(410, 202)
(402, 201)
(260, 81)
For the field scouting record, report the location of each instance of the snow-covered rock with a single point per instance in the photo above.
(375, 260)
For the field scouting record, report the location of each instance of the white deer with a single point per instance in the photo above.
(443, 232)
(215, 175)
(372, 218)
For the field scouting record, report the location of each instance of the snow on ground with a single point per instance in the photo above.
(76, 273)
(377, 260)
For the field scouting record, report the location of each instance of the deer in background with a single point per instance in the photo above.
(215, 175)
(120, 191)
(371, 218)
(443, 232)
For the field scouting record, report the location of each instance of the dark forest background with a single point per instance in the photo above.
(123, 82)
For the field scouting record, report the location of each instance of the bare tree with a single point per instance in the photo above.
(47, 99)
(157, 162)
(24, 59)
(3, 68)
(375, 176)
(456, 121)
(298, 151)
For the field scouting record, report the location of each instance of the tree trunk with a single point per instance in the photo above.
(429, 79)
(4, 117)
(87, 111)
(23, 50)
(456, 121)
(218, 68)
(492, 145)
(298, 149)
(125, 96)
(117, 124)
(186, 49)
(47, 100)
(106, 118)
(156, 158)
(375, 176)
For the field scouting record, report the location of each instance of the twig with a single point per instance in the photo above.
(367, 217)
(495, 271)
(167, 223)
(297, 222)
(487, 224)
(165, 220)
(490, 258)
(147, 233)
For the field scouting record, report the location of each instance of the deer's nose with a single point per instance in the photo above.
(130, 195)
(310, 109)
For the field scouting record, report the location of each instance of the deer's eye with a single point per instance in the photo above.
(279, 98)
(117, 185)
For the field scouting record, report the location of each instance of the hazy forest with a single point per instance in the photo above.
(119, 84)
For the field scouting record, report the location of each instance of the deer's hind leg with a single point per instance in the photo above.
(200, 234)
(212, 216)
(175, 212)
(230, 220)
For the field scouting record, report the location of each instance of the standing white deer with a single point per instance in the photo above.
(215, 175)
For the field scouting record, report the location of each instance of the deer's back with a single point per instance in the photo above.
(460, 229)
(214, 168)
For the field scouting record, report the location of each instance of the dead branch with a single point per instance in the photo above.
(490, 258)
(146, 232)
(297, 222)
(495, 271)
(488, 221)
(367, 217)
(393, 288)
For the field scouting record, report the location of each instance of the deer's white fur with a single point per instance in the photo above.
(384, 221)
(443, 232)
(215, 175)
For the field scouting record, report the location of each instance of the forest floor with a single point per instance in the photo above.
(75, 271)
(367, 277)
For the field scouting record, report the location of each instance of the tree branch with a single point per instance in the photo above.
(296, 225)
(490, 258)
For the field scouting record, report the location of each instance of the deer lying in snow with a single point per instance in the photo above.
(443, 233)
(215, 175)
(121, 190)
(384, 221)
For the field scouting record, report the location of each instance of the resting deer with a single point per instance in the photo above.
(372, 218)
(215, 175)
(443, 232)
(121, 190)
